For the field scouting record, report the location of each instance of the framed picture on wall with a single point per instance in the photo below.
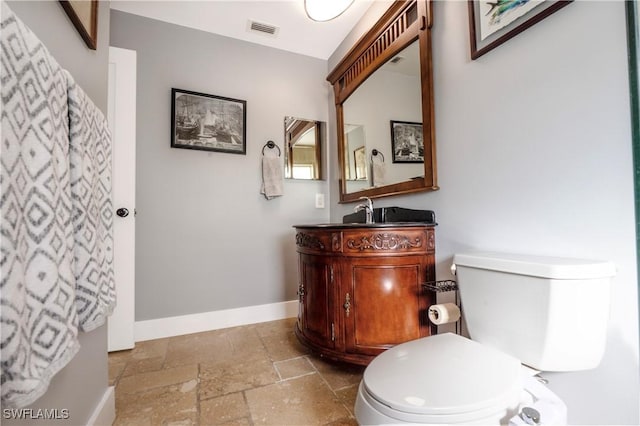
(491, 23)
(84, 16)
(360, 161)
(208, 122)
(407, 143)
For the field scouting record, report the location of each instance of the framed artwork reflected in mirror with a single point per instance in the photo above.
(360, 160)
(407, 142)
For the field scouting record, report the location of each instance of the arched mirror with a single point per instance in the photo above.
(303, 148)
(384, 106)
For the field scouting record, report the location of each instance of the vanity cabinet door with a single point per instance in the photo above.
(316, 294)
(383, 303)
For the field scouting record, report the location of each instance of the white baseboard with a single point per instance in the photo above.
(206, 321)
(105, 412)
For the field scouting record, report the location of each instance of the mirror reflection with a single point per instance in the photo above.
(383, 116)
(303, 147)
(355, 156)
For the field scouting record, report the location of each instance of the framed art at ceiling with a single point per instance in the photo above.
(491, 23)
(84, 16)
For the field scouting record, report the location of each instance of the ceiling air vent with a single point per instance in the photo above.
(262, 28)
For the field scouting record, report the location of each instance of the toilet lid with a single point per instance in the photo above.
(443, 374)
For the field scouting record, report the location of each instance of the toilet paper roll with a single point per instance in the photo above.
(444, 313)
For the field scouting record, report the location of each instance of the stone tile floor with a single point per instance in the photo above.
(251, 375)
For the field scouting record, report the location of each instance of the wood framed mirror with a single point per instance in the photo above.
(386, 78)
(303, 148)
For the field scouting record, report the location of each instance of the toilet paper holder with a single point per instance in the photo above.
(444, 286)
(441, 286)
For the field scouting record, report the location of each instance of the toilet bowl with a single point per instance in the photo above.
(547, 313)
(449, 379)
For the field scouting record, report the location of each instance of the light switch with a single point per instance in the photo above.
(319, 201)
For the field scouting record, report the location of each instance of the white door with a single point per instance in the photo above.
(122, 121)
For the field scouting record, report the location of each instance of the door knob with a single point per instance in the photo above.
(122, 212)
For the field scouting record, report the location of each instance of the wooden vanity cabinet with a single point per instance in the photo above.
(360, 288)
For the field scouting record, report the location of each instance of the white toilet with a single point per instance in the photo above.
(524, 314)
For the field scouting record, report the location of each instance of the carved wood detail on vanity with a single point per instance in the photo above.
(309, 241)
(384, 242)
(336, 241)
(360, 287)
(431, 241)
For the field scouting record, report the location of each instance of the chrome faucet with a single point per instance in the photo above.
(367, 207)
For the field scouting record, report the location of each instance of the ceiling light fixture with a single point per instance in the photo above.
(325, 10)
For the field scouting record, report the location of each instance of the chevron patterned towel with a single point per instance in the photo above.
(90, 159)
(38, 327)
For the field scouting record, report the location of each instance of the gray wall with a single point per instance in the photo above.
(534, 156)
(206, 239)
(83, 382)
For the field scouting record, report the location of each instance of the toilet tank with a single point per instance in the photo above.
(549, 312)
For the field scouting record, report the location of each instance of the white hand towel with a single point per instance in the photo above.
(272, 179)
(379, 173)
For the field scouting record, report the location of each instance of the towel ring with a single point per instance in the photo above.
(375, 153)
(271, 145)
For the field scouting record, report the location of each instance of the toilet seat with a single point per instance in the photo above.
(461, 381)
